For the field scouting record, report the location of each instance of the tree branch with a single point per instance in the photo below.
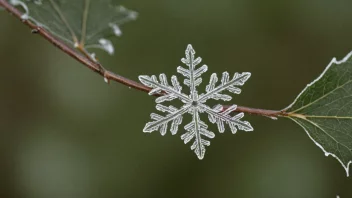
(108, 75)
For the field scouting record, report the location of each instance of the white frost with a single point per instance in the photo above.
(25, 15)
(38, 2)
(116, 29)
(132, 15)
(107, 46)
(194, 104)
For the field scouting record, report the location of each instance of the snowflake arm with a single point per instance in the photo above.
(171, 92)
(216, 115)
(161, 123)
(214, 92)
(192, 76)
(195, 130)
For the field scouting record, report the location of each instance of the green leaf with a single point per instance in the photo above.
(324, 110)
(82, 23)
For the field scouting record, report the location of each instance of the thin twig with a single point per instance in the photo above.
(108, 75)
(71, 52)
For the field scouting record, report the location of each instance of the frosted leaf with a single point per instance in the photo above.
(323, 109)
(194, 104)
(84, 24)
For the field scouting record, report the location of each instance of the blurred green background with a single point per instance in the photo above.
(66, 133)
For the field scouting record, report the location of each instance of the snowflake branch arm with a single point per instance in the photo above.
(161, 123)
(192, 75)
(216, 116)
(163, 86)
(226, 84)
(195, 130)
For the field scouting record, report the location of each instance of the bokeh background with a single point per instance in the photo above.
(66, 133)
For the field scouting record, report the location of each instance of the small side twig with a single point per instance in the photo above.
(108, 75)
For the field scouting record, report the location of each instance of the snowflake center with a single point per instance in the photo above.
(195, 103)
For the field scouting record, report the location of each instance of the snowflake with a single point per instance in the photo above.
(194, 104)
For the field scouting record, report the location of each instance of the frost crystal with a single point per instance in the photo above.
(194, 103)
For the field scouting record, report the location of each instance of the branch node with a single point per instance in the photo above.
(35, 31)
(106, 77)
(76, 45)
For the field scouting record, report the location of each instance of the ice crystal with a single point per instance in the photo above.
(194, 104)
